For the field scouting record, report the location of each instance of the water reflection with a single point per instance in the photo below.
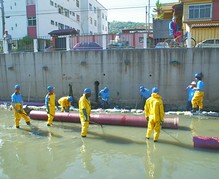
(86, 156)
(40, 132)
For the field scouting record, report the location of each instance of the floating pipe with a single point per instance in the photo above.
(105, 119)
(206, 142)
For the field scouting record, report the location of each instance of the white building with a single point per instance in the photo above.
(36, 18)
(93, 18)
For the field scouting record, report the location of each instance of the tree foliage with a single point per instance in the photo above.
(118, 26)
(158, 10)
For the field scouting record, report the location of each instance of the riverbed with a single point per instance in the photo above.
(41, 152)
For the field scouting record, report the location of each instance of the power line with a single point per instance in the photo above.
(45, 12)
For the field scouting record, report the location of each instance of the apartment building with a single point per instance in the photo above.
(36, 18)
(93, 18)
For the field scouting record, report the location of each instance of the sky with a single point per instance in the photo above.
(129, 14)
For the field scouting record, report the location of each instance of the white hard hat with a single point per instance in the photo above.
(193, 83)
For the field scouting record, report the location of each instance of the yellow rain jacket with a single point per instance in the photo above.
(64, 103)
(50, 101)
(84, 103)
(154, 111)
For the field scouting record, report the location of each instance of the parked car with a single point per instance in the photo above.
(87, 46)
(162, 45)
(209, 43)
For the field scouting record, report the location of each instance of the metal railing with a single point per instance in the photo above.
(136, 40)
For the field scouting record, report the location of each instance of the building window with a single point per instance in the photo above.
(12, 28)
(95, 23)
(201, 11)
(15, 25)
(52, 22)
(77, 3)
(15, 4)
(90, 6)
(103, 27)
(60, 26)
(55, 5)
(60, 9)
(78, 31)
(103, 15)
(91, 21)
(56, 23)
(67, 27)
(78, 18)
(66, 12)
(51, 3)
(106, 28)
(73, 13)
(91, 33)
(95, 10)
(31, 21)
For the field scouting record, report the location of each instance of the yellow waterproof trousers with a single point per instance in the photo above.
(51, 115)
(153, 125)
(64, 109)
(18, 116)
(197, 100)
(84, 127)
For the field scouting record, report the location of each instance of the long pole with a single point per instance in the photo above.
(146, 17)
(149, 10)
(3, 17)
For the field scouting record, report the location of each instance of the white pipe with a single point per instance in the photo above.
(104, 42)
(67, 43)
(5, 46)
(35, 45)
(145, 40)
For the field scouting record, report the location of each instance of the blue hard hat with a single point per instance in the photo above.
(70, 99)
(141, 88)
(155, 90)
(174, 18)
(106, 89)
(17, 87)
(198, 75)
(87, 90)
(50, 88)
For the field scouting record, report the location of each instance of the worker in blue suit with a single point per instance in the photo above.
(144, 94)
(104, 94)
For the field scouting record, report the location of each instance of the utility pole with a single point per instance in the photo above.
(146, 17)
(149, 11)
(3, 17)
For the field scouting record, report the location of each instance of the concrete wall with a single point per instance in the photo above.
(123, 71)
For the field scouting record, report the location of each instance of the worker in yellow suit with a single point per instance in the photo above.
(197, 100)
(17, 107)
(65, 103)
(154, 113)
(84, 111)
(50, 105)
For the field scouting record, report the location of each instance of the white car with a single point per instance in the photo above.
(209, 43)
(162, 45)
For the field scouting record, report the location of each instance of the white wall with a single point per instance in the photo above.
(86, 14)
(46, 13)
(16, 24)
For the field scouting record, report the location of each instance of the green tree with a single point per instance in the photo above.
(158, 10)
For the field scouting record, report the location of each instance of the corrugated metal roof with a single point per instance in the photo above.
(204, 25)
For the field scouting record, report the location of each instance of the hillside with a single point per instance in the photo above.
(117, 26)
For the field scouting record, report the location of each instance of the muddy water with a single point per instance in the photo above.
(109, 152)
